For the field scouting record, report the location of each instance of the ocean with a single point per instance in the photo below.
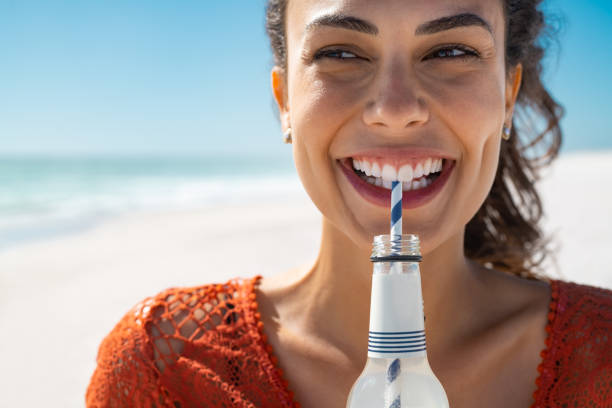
(43, 196)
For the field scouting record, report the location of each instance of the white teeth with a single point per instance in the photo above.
(434, 166)
(392, 173)
(376, 170)
(388, 173)
(418, 171)
(411, 178)
(405, 173)
(406, 186)
(421, 183)
(427, 167)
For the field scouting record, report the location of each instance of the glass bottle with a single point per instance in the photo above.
(397, 372)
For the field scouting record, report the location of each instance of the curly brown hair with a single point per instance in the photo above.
(505, 233)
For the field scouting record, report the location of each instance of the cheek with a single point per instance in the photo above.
(317, 111)
(472, 105)
(320, 109)
(321, 105)
(313, 117)
(323, 101)
(473, 109)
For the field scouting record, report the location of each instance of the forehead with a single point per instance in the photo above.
(390, 16)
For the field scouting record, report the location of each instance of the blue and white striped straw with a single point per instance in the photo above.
(392, 389)
(396, 208)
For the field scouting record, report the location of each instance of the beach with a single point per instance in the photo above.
(59, 296)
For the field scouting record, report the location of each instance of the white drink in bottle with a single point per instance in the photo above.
(397, 373)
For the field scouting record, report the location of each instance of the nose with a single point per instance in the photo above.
(397, 104)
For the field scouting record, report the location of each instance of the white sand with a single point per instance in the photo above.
(58, 298)
(577, 196)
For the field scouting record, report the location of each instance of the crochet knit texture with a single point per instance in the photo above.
(205, 347)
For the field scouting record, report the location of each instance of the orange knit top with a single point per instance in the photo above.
(204, 347)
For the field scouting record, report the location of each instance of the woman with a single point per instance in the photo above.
(359, 85)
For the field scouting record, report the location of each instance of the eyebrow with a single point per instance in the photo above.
(450, 22)
(430, 27)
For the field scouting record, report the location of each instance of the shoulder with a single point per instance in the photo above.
(177, 317)
(154, 333)
(123, 365)
(579, 346)
(580, 305)
(581, 324)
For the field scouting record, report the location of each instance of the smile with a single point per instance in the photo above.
(422, 179)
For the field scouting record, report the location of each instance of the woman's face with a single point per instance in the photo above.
(421, 84)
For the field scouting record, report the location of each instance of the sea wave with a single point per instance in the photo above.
(42, 198)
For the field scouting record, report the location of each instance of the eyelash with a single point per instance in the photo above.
(467, 53)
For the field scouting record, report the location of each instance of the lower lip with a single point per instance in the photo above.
(410, 199)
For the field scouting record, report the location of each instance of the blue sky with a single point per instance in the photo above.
(159, 77)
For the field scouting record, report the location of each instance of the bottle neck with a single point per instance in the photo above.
(397, 322)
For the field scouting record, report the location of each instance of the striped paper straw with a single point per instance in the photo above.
(392, 389)
(396, 208)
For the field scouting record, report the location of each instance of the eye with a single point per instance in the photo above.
(453, 52)
(338, 54)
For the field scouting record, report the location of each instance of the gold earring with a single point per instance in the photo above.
(287, 136)
(506, 133)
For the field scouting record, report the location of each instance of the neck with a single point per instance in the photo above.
(334, 295)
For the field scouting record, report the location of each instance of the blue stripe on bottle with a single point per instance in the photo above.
(397, 347)
(397, 351)
(390, 342)
(396, 337)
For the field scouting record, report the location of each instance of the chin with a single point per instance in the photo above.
(364, 238)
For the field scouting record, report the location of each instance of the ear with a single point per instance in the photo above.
(513, 85)
(280, 95)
